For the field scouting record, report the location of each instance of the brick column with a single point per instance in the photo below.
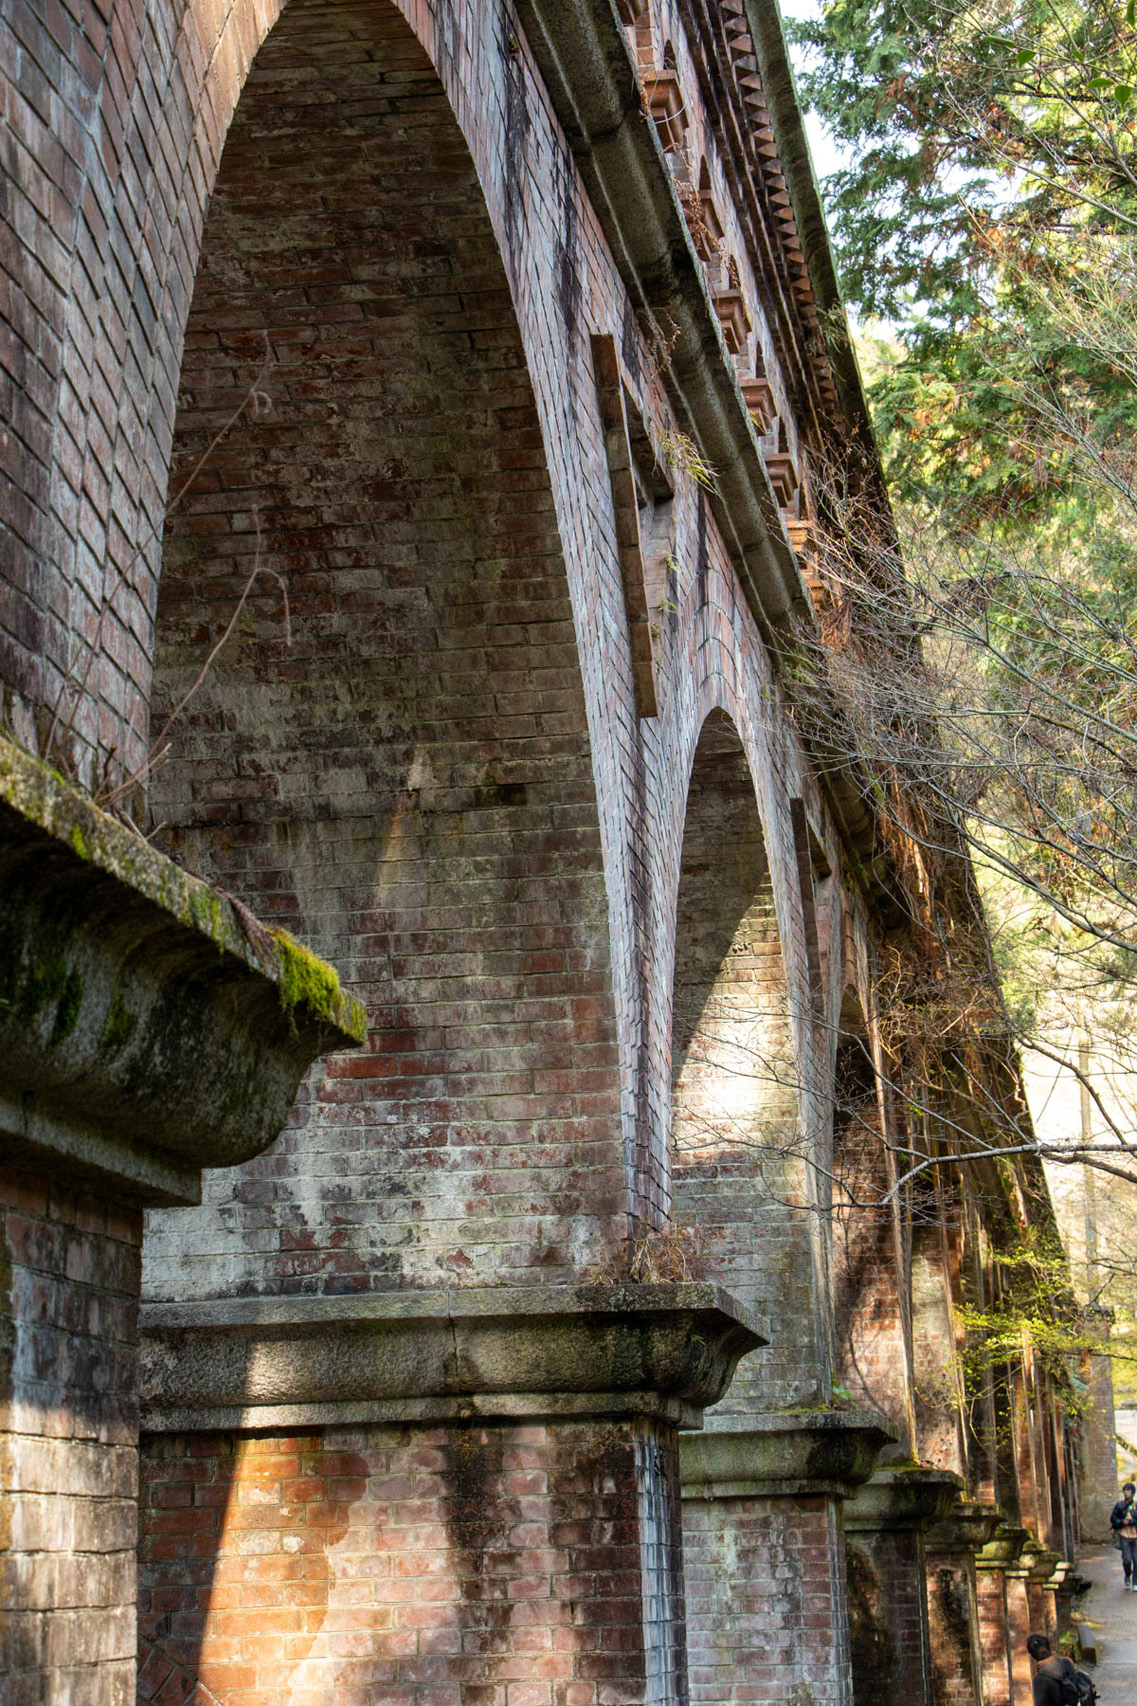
(765, 1565)
(1040, 1563)
(950, 1546)
(468, 1496)
(1097, 1477)
(998, 1614)
(888, 1609)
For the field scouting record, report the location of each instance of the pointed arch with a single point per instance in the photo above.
(401, 774)
(738, 1160)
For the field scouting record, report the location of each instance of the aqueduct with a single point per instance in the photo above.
(498, 1335)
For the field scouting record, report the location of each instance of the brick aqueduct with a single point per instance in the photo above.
(500, 733)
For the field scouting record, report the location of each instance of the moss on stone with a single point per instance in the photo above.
(307, 980)
(119, 1027)
(67, 1010)
(38, 794)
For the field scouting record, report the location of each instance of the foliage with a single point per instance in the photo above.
(991, 214)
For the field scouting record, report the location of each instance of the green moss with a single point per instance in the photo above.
(42, 987)
(67, 1012)
(119, 1027)
(78, 842)
(307, 980)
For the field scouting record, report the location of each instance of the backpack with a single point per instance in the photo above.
(1077, 1687)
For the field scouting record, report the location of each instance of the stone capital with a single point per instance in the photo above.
(148, 1028)
(966, 1527)
(1003, 1550)
(537, 1352)
(785, 1453)
(1039, 1561)
(901, 1498)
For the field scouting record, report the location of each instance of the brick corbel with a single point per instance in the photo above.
(544, 1352)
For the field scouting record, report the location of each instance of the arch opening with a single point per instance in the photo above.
(401, 775)
(738, 1160)
(872, 1331)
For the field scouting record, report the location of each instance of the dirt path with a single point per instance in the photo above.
(1113, 1615)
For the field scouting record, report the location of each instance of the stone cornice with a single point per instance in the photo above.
(147, 1027)
(587, 66)
(785, 1453)
(583, 1350)
(1003, 1550)
(901, 1498)
(966, 1527)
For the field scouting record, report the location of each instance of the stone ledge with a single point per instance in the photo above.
(1003, 1550)
(556, 1351)
(901, 1498)
(966, 1527)
(786, 1453)
(145, 1032)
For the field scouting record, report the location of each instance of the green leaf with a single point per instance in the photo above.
(1131, 13)
(1100, 83)
(1025, 55)
(1122, 93)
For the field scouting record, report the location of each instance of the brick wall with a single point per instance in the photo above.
(991, 1596)
(456, 1566)
(69, 1277)
(956, 1670)
(766, 1602)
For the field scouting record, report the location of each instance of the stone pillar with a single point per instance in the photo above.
(1097, 1477)
(469, 1494)
(1040, 1563)
(142, 1037)
(888, 1608)
(999, 1614)
(765, 1567)
(950, 1546)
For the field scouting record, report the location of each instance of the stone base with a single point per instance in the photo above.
(477, 1562)
(765, 1561)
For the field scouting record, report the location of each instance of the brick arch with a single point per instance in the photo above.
(737, 1157)
(408, 785)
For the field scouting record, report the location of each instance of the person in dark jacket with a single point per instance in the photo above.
(1123, 1521)
(1050, 1672)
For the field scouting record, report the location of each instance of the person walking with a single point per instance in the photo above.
(1056, 1681)
(1123, 1521)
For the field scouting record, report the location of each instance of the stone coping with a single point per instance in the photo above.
(901, 1498)
(1004, 1548)
(785, 1453)
(966, 1527)
(493, 1352)
(149, 1027)
(1039, 1561)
